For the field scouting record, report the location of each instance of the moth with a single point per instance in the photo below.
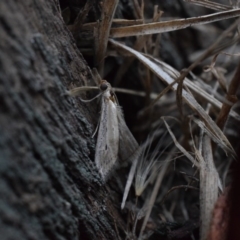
(115, 143)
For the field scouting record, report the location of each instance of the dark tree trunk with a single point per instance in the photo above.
(49, 186)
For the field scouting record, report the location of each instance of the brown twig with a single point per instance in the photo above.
(82, 15)
(231, 97)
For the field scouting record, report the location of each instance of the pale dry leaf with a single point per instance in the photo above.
(210, 4)
(209, 180)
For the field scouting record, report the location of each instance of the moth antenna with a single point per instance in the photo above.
(78, 90)
(89, 100)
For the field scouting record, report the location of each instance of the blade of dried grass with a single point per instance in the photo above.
(210, 4)
(117, 22)
(131, 176)
(164, 76)
(217, 73)
(102, 32)
(173, 25)
(126, 22)
(209, 178)
(155, 191)
(137, 9)
(213, 136)
(178, 145)
(209, 181)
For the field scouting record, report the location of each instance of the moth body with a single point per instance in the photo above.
(108, 135)
(115, 143)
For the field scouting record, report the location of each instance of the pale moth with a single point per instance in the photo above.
(115, 143)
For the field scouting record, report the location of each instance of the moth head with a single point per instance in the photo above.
(104, 85)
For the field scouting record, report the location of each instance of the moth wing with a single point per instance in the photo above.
(128, 145)
(108, 138)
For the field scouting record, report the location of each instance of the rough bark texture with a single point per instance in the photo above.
(49, 186)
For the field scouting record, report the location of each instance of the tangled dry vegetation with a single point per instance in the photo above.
(178, 90)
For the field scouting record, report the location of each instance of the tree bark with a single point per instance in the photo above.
(49, 187)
